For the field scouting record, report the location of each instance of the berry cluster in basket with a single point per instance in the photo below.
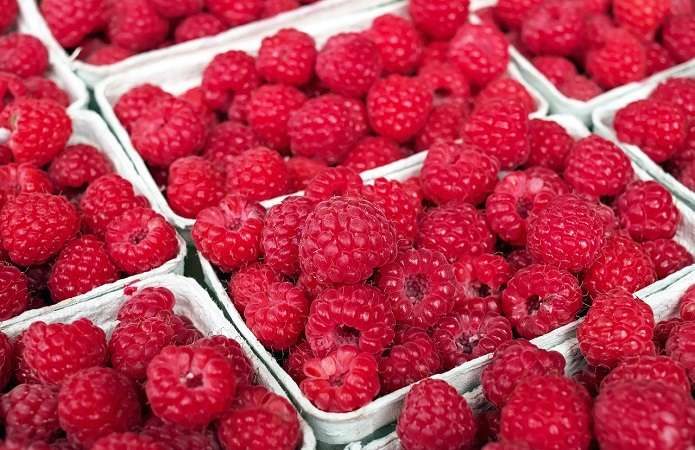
(639, 397)
(363, 100)
(154, 384)
(585, 47)
(373, 287)
(105, 32)
(68, 224)
(663, 127)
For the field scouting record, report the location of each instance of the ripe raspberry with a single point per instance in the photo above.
(398, 107)
(9, 14)
(580, 87)
(274, 7)
(281, 234)
(146, 302)
(323, 128)
(667, 256)
(480, 52)
(232, 350)
(258, 174)
(399, 206)
(678, 91)
(185, 332)
(663, 331)
(649, 368)
(555, 68)
(7, 359)
(5, 155)
(620, 60)
(30, 413)
(96, 402)
(371, 152)
(446, 82)
(512, 13)
(333, 182)
(15, 296)
(179, 438)
(549, 144)
(177, 8)
(642, 17)
(399, 44)
(40, 129)
(117, 441)
(479, 282)
(78, 165)
(134, 103)
(349, 64)
(42, 88)
(196, 98)
(343, 381)
(229, 74)
(197, 26)
(105, 200)
(456, 229)
(72, 21)
(658, 58)
(287, 57)
(296, 357)
(412, 357)
(647, 211)
(435, 417)
(680, 346)
(227, 140)
(193, 185)
(568, 234)
(687, 305)
(22, 178)
(553, 28)
(598, 168)
(505, 88)
(249, 283)
(277, 316)
(109, 54)
(438, 19)
(235, 12)
(443, 124)
(23, 55)
(358, 229)
(269, 111)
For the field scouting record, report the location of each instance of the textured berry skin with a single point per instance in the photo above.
(348, 64)
(680, 346)
(540, 298)
(456, 229)
(479, 281)
(598, 168)
(80, 267)
(23, 55)
(687, 305)
(30, 413)
(333, 182)
(136, 26)
(229, 235)
(274, 7)
(398, 107)
(512, 363)
(40, 129)
(9, 14)
(194, 184)
(78, 165)
(178, 438)
(277, 317)
(72, 21)
(544, 403)
(480, 52)
(197, 26)
(567, 234)
(355, 228)
(44, 89)
(296, 357)
(258, 174)
(617, 326)
(412, 357)
(105, 200)
(446, 82)
(269, 111)
(36, 226)
(249, 283)
(667, 255)
(234, 12)
(17, 178)
(230, 73)
(642, 17)
(109, 54)
(399, 44)
(620, 60)
(443, 124)
(227, 140)
(504, 88)
(580, 87)
(635, 415)
(438, 19)
(454, 171)
(549, 144)
(435, 417)
(96, 402)
(372, 152)
(136, 101)
(15, 293)
(555, 68)
(647, 211)
(141, 240)
(648, 368)
(178, 8)
(513, 13)
(658, 128)
(190, 386)
(281, 234)
(119, 441)
(658, 58)
(134, 343)
(679, 91)
(677, 36)
(343, 381)
(243, 370)
(399, 206)
(287, 57)
(145, 302)
(553, 28)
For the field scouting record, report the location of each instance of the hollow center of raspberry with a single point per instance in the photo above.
(138, 236)
(346, 335)
(466, 343)
(533, 304)
(523, 206)
(233, 224)
(483, 290)
(416, 288)
(192, 380)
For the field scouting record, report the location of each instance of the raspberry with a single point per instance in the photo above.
(105, 200)
(456, 229)
(249, 283)
(633, 415)
(549, 144)
(78, 165)
(677, 37)
(512, 363)
(548, 412)
(30, 413)
(258, 174)
(232, 350)
(680, 346)
(185, 332)
(109, 54)
(40, 129)
(168, 130)
(649, 368)
(598, 168)
(117, 441)
(438, 19)
(647, 211)
(687, 305)
(399, 44)
(663, 330)
(323, 128)
(22, 178)
(505, 88)
(501, 128)
(146, 302)
(135, 25)
(72, 21)
(238, 108)
(227, 140)
(445, 81)
(480, 52)
(480, 281)
(235, 12)
(196, 98)
(332, 182)
(178, 8)
(435, 417)
(412, 357)
(274, 7)
(443, 124)
(229, 74)
(22, 55)
(667, 256)
(7, 359)
(343, 381)
(555, 68)
(349, 64)
(398, 205)
(658, 58)
(357, 229)
(15, 295)
(372, 152)
(620, 60)
(5, 155)
(277, 316)
(44, 89)
(513, 13)
(287, 57)
(568, 234)
(580, 87)
(134, 103)
(12, 88)
(269, 111)
(179, 438)
(682, 7)
(642, 17)
(677, 91)
(553, 28)
(9, 14)
(197, 26)
(193, 185)
(281, 234)
(296, 357)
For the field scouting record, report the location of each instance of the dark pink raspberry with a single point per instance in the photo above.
(194, 184)
(438, 19)
(349, 64)
(549, 143)
(398, 42)
(667, 255)
(258, 174)
(446, 82)
(296, 357)
(235, 353)
(647, 211)
(135, 25)
(250, 283)
(412, 357)
(553, 28)
(270, 109)
(30, 413)
(78, 165)
(686, 304)
(23, 55)
(145, 302)
(287, 57)
(332, 182)
(15, 293)
(281, 234)
(555, 68)
(274, 7)
(136, 101)
(277, 317)
(480, 52)
(229, 74)
(649, 368)
(235, 12)
(227, 140)
(443, 124)
(197, 26)
(680, 346)
(371, 152)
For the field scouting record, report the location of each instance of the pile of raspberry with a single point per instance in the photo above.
(364, 289)
(635, 394)
(24, 64)
(587, 47)
(153, 383)
(104, 32)
(264, 126)
(68, 223)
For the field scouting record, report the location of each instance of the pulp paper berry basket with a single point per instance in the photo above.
(603, 125)
(89, 128)
(179, 74)
(192, 301)
(341, 428)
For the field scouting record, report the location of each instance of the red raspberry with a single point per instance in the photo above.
(105, 200)
(687, 305)
(435, 417)
(349, 64)
(40, 129)
(620, 60)
(663, 330)
(678, 91)
(445, 82)
(398, 42)
(555, 68)
(42, 88)
(443, 124)
(296, 357)
(501, 128)
(438, 19)
(480, 281)
(598, 168)
(680, 346)
(287, 57)
(549, 143)
(15, 296)
(269, 111)
(568, 234)
(277, 316)
(235, 12)
(647, 211)
(9, 14)
(177, 8)
(642, 17)
(356, 228)
(398, 107)
(243, 369)
(372, 152)
(135, 25)
(193, 185)
(667, 256)
(196, 98)
(5, 155)
(227, 140)
(274, 7)
(281, 234)
(12, 88)
(78, 165)
(229, 74)
(506, 89)
(632, 415)
(553, 28)
(481, 52)
(658, 58)
(109, 54)
(197, 26)
(23, 55)
(456, 229)
(548, 412)
(333, 182)
(512, 363)
(399, 206)
(118, 441)
(146, 302)
(178, 438)
(72, 21)
(323, 128)
(512, 13)
(30, 413)
(185, 332)
(134, 103)
(412, 357)
(134, 343)
(343, 381)
(580, 87)
(649, 368)
(22, 178)
(258, 174)
(238, 108)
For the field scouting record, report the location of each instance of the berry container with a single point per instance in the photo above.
(341, 428)
(192, 301)
(603, 125)
(178, 75)
(89, 128)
